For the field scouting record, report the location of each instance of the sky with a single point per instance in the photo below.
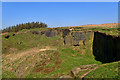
(60, 0)
(59, 14)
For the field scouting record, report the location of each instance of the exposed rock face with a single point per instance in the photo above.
(106, 48)
(42, 32)
(68, 40)
(48, 33)
(72, 38)
(78, 37)
(35, 32)
(51, 33)
(65, 32)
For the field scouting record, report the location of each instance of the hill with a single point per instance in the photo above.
(63, 52)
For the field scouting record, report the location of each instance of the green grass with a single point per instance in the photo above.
(67, 57)
(68, 62)
(28, 41)
(108, 31)
(110, 70)
(8, 74)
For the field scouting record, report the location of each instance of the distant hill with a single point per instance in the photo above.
(109, 25)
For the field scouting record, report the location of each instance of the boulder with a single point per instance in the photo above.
(76, 70)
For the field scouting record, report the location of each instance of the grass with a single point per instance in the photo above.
(110, 70)
(28, 41)
(68, 62)
(54, 63)
(108, 31)
(8, 74)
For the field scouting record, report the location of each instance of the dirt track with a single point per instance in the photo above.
(13, 57)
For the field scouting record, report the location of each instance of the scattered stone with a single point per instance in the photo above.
(76, 70)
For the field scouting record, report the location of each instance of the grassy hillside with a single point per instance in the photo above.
(109, 70)
(27, 55)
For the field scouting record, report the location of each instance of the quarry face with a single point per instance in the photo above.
(105, 47)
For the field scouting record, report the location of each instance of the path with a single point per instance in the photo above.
(91, 71)
(13, 57)
(4, 33)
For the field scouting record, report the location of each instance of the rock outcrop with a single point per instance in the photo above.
(48, 33)
(106, 48)
(51, 33)
(78, 37)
